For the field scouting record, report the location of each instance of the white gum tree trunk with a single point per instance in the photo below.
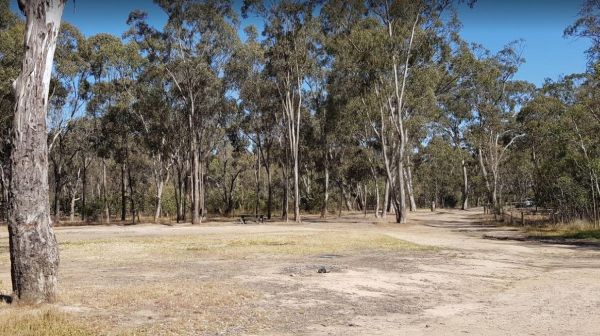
(33, 248)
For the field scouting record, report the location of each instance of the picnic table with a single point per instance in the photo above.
(252, 219)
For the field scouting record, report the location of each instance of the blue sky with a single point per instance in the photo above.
(492, 23)
(540, 23)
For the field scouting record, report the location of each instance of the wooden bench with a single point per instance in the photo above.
(244, 219)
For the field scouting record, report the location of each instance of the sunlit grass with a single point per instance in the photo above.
(157, 285)
(182, 307)
(572, 230)
(566, 234)
(47, 322)
(244, 244)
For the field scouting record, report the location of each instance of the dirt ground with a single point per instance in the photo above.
(436, 275)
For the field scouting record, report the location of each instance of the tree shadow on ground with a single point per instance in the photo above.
(476, 225)
(566, 242)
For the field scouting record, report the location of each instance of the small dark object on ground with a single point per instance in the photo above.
(323, 269)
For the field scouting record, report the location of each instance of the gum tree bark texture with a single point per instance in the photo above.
(33, 248)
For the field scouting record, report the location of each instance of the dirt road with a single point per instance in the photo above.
(490, 287)
(227, 279)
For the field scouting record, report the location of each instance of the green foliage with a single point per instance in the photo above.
(561, 124)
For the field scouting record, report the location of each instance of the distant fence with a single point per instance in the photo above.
(513, 214)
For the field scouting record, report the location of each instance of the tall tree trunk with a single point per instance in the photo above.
(494, 196)
(269, 192)
(105, 194)
(131, 183)
(84, 189)
(195, 173)
(400, 202)
(201, 192)
(195, 161)
(73, 194)
(359, 197)
(400, 196)
(177, 188)
(409, 185)
(364, 202)
(346, 197)
(286, 192)
(73, 200)
(325, 191)
(292, 117)
(195, 184)
(465, 191)
(297, 218)
(187, 193)
(33, 248)
(386, 199)
(159, 191)
(340, 206)
(57, 181)
(490, 193)
(123, 194)
(258, 167)
(377, 198)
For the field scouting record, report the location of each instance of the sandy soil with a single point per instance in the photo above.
(490, 287)
(464, 284)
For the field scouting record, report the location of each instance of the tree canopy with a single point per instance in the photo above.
(378, 106)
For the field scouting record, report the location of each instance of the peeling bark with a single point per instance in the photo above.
(33, 247)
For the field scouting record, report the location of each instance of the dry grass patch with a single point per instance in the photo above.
(240, 245)
(173, 308)
(173, 285)
(572, 230)
(46, 322)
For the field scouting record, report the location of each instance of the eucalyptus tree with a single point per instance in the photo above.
(115, 67)
(258, 102)
(289, 32)
(157, 99)
(318, 149)
(158, 121)
(494, 130)
(561, 124)
(33, 247)
(456, 102)
(400, 21)
(392, 51)
(416, 51)
(231, 160)
(438, 173)
(347, 116)
(200, 37)
(587, 26)
(78, 143)
(156, 105)
(68, 97)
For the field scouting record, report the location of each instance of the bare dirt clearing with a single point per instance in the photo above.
(435, 276)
